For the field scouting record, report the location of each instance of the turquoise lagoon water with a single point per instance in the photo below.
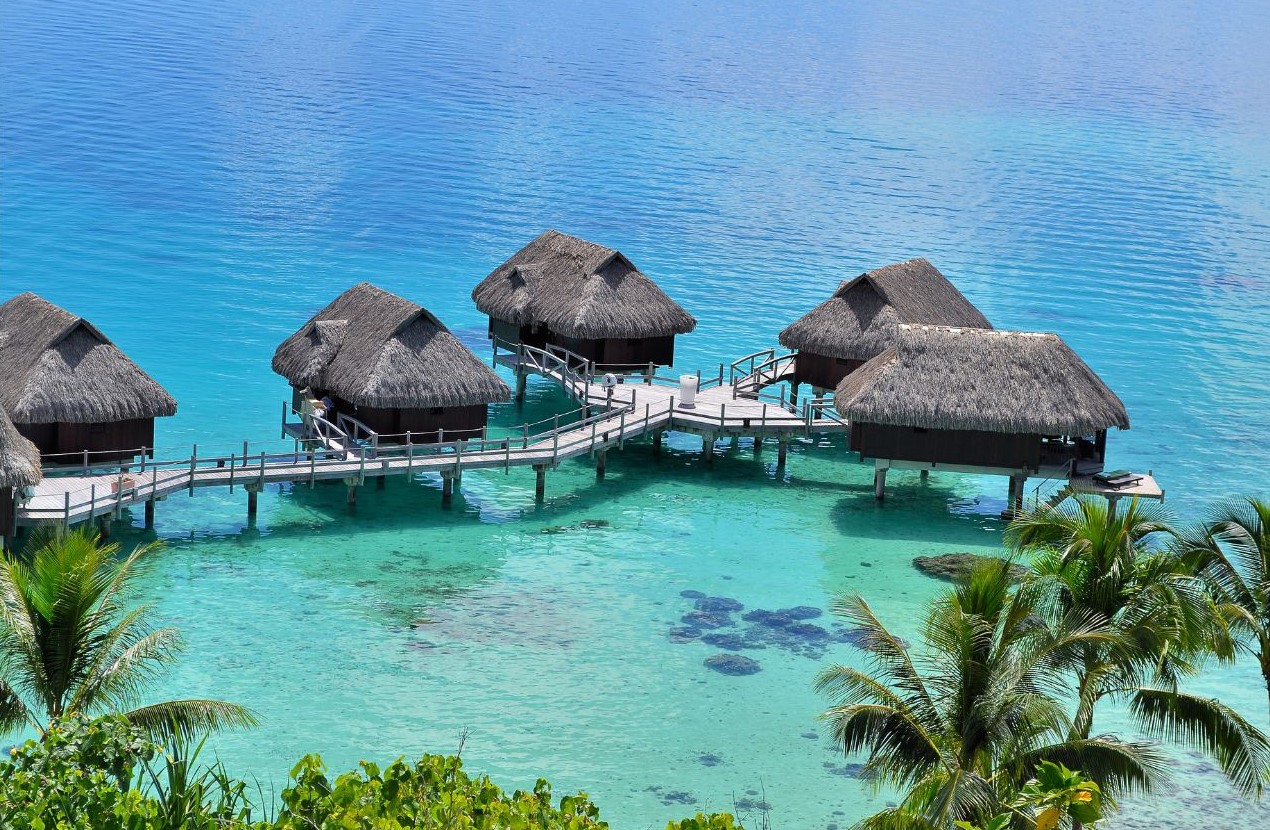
(199, 178)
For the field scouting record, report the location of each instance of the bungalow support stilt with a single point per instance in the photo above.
(925, 476)
(782, 450)
(353, 484)
(657, 443)
(149, 514)
(758, 444)
(879, 483)
(521, 379)
(381, 482)
(447, 488)
(600, 463)
(707, 448)
(253, 491)
(103, 527)
(540, 482)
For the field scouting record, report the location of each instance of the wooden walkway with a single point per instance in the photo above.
(609, 416)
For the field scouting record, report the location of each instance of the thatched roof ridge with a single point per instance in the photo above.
(19, 458)
(376, 349)
(58, 367)
(859, 320)
(937, 377)
(579, 289)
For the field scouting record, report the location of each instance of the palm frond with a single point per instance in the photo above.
(1240, 749)
(188, 719)
(1118, 767)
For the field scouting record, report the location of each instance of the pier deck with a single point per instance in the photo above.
(609, 416)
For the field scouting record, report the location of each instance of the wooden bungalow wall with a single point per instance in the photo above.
(634, 352)
(62, 443)
(946, 446)
(822, 371)
(6, 512)
(424, 425)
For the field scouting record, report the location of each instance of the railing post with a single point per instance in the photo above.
(440, 436)
(85, 462)
(723, 408)
(244, 452)
(621, 430)
(525, 445)
(231, 472)
(312, 466)
(262, 468)
(193, 464)
(763, 418)
(593, 425)
(92, 501)
(143, 460)
(66, 510)
(361, 467)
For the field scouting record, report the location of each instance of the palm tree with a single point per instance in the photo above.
(962, 725)
(70, 643)
(1130, 570)
(1235, 557)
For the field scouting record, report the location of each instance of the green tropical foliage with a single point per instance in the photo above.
(107, 774)
(1130, 571)
(962, 724)
(72, 641)
(1234, 553)
(1057, 793)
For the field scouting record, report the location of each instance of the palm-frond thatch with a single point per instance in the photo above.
(58, 368)
(19, 459)
(579, 289)
(376, 349)
(937, 377)
(858, 321)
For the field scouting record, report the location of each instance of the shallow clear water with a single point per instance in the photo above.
(199, 178)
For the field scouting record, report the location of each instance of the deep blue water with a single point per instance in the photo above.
(198, 178)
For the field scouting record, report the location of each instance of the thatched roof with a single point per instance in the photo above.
(376, 349)
(579, 289)
(996, 381)
(19, 458)
(858, 321)
(57, 367)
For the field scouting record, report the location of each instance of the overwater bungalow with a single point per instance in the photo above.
(19, 468)
(69, 390)
(858, 322)
(391, 365)
(564, 291)
(974, 400)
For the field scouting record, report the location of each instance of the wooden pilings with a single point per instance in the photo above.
(540, 482)
(925, 476)
(600, 462)
(879, 483)
(381, 482)
(1014, 497)
(707, 448)
(758, 444)
(149, 514)
(522, 378)
(782, 450)
(657, 443)
(447, 487)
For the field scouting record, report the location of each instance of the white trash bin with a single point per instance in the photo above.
(688, 391)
